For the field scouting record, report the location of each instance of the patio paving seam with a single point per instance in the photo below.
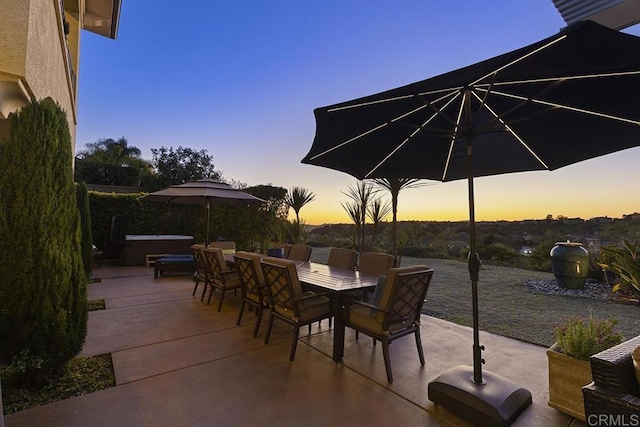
(218, 359)
(106, 300)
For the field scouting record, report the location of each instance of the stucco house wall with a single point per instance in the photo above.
(37, 59)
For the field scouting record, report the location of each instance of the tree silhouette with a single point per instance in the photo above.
(394, 186)
(297, 198)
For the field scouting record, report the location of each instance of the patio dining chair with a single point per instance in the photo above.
(342, 258)
(222, 277)
(227, 246)
(376, 264)
(284, 246)
(202, 273)
(398, 312)
(299, 252)
(253, 285)
(288, 302)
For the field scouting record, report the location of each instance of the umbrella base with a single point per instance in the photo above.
(496, 402)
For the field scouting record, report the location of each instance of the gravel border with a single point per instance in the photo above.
(592, 289)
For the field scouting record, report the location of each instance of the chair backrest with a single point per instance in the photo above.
(282, 282)
(226, 246)
(342, 258)
(200, 261)
(299, 252)
(284, 246)
(217, 265)
(375, 263)
(250, 272)
(403, 296)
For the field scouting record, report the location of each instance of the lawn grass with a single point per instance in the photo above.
(506, 307)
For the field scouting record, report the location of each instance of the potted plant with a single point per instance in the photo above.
(625, 263)
(577, 339)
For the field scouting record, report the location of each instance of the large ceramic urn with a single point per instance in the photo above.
(570, 264)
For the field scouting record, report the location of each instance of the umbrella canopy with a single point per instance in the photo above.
(567, 98)
(206, 192)
(570, 97)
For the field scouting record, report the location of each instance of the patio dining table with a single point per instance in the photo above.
(338, 283)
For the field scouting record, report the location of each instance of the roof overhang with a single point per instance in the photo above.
(13, 94)
(102, 17)
(616, 14)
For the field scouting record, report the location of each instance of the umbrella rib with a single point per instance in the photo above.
(515, 135)
(453, 141)
(382, 126)
(567, 107)
(548, 79)
(515, 61)
(440, 110)
(519, 105)
(396, 98)
(414, 133)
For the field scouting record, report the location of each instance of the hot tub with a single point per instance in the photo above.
(138, 246)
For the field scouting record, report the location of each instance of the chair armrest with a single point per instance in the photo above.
(371, 306)
(228, 272)
(311, 296)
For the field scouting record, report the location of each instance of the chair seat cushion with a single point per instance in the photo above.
(365, 317)
(231, 281)
(314, 307)
(309, 309)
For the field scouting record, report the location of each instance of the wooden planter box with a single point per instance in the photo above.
(567, 376)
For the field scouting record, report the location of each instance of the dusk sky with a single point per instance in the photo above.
(241, 79)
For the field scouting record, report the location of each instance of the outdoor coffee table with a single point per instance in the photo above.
(178, 263)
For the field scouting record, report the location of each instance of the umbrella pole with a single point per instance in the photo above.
(474, 270)
(494, 400)
(206, 241)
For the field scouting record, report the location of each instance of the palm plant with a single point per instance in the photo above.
(297, 198)
(360, 195)
(626, 264)
(377, 211)
(297, 231)
(394, 186)
(403, 241)
(353, 210)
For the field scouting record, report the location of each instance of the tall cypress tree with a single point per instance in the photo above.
(43, 301)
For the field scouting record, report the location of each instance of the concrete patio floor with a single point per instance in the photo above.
(178, 361)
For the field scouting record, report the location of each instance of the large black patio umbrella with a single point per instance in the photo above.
(206, 191)
(567, 98)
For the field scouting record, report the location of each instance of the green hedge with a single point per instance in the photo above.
(246, 225)
(82, 198)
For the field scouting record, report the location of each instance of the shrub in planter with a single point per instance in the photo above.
(577, 339)
(581, 338)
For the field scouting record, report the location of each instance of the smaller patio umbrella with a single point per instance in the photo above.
(206, 191)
